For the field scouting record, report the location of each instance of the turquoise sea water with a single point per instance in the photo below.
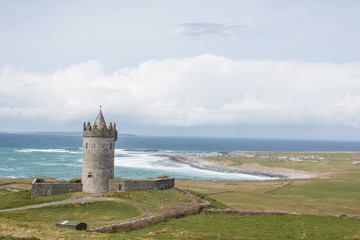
(60, 156)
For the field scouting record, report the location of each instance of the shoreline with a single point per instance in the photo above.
(251, 169)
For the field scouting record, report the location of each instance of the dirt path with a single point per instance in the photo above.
(146, 212)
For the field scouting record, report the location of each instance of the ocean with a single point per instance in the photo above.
(60, 155)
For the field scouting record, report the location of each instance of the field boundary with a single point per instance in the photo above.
(242, 212)
(277, 188)
(196, 206)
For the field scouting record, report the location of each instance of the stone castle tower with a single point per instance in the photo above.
(98, 155)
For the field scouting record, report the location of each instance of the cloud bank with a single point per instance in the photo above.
(205, 90)
(208, 29)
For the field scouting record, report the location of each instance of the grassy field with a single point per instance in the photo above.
(222, 226)
(86, 212)
(319, 197)
(338, 164)
(18, 199)
(40, 222)
(153, 199)
(331, 194)
(19, 183)
(215, 226)
(313, 205)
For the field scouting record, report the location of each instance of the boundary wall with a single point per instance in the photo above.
(126, 185)
(40, 187)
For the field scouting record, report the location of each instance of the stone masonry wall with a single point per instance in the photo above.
(47, 189)
(164, 183)
(126, 185)
(98, 164)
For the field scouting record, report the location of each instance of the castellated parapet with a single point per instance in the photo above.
(98, 155)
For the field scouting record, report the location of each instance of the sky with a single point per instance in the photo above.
(231, 68)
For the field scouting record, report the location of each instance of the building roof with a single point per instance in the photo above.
(71, 225)
(100, 121)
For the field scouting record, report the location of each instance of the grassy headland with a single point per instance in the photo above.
(313, 204)
(332, 193)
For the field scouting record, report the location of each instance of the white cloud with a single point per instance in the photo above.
(197, 91)
(208, 29)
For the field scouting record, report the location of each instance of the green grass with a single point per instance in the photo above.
(317, 167)
(226, 226)
(322, 189)
(332, 194)
(215, 204)
(23, 198)
(246, 195)
(153, 199)
(355, 174)
(86, 212)
(16, 238)
(320, 197)
(229, 226)
(322, 162)
(328, 195)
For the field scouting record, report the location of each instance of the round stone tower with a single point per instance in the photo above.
(98, 155)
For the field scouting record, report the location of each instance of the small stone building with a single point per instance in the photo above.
(41, 187)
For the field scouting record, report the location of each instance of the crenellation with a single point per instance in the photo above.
(98, 161)
(98, 166)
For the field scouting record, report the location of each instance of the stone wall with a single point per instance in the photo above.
(43, 188)
(126, 185)
(40, 187)
(98, 164)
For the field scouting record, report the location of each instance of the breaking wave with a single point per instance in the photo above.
(46, 151)
(139, 163)
(7, 169)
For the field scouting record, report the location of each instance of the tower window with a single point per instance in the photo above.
(86, 146)
(94, 145)
(110, 145)
(90, 175)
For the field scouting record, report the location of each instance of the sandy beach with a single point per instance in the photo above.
(252, 169)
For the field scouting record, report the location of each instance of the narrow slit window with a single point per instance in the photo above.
(86, 146)
(110, 145)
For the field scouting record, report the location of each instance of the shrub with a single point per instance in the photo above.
(75, 180)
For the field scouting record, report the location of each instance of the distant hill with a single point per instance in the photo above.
(66, 133)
